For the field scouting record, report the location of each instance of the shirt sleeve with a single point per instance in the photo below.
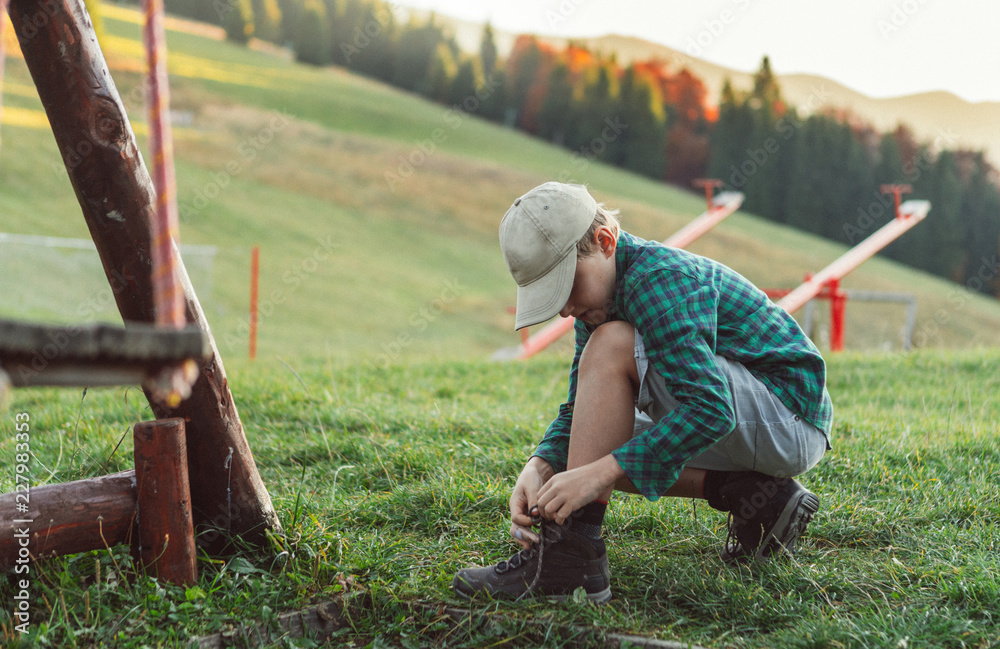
(679, 328)
(554, 447)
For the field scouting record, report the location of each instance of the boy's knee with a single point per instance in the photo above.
(612, 341)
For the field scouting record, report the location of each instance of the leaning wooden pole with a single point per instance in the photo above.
(116, 194)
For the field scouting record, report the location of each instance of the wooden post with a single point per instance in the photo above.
(68, 518)
(116, 194)
(166, 530)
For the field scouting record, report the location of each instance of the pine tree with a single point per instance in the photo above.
(267, 20)
(556, 105)
(238, 20)
(981, 213)
(462, 91)
(938, 241)
(291, 17)
(640, 129)
(488, 51)
(419, 65)
(730, 140)
(311, 39)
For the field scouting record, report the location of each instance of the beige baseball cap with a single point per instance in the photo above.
(538, 237)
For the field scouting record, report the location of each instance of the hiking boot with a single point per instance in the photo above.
(766, 516)
(561, 561)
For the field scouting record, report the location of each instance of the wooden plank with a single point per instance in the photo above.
(166, 529)
(116, 195)
(93, 355)
(67, 518)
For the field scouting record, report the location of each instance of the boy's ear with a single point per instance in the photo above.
(605, 240)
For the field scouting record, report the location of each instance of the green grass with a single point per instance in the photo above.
(387, 481)
(290, 157)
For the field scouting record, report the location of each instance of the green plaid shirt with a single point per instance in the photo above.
(689, 309)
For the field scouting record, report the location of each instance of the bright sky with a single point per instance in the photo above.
(881, 48)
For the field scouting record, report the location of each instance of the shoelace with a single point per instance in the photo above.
(548, 532)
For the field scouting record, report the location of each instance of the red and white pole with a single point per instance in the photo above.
(168, 295)
(173, 384)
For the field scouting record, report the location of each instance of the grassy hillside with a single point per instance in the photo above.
(376, 212)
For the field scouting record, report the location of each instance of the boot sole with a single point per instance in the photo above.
(794, 519)
(600, 597)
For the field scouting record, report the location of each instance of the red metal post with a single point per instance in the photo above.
(709, 184)
(254, 281)
(838, 301)
(896, 191)
(912, 212)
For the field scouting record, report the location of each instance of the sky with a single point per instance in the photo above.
(882, 48)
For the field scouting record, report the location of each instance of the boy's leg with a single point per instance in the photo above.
(604, 411)
(572, 555)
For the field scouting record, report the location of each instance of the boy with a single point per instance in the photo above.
(733, 392)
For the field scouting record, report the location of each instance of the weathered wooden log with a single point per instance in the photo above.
(94, 354)
(66, 518)
(116, 194)
(166, 530)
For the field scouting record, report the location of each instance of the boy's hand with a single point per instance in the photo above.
(570, 490)
(525, 496)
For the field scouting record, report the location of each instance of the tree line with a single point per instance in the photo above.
(816, 169)
(822, 172)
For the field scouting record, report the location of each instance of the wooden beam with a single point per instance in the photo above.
(116, 195)
(94, 355)
(67, 518)
(166, 531)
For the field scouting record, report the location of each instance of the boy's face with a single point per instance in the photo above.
(594, 283)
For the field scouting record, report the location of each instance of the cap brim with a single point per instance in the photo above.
(546, 296)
